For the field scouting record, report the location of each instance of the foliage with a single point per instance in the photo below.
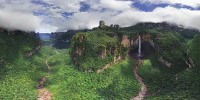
(12, 45)
(194, 50)
(172, 49)
(20, 75)
(19, 79)
(91, 45)
(169, 40)
(164, 85)
(17, 73)
(65, 81)
(162, 27)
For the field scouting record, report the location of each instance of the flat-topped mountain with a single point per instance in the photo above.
(106, 45)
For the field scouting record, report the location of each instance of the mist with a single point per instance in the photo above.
(13, 20)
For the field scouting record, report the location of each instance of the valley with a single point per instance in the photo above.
(150, 61)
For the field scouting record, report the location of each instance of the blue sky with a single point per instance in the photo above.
(62, 15)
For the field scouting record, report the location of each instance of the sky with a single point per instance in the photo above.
(47, 16)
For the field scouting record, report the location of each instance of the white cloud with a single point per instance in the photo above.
(191, 3)
(46, 28)
(66, 5)
(115, 5)
(18, 14)
(185, 17)
(18, 20)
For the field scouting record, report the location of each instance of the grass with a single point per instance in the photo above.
(163, 85)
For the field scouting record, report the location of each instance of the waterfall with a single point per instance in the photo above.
(139, 49)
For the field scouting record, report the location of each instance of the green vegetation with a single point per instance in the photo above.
(169, 44)
(194, 51)
(92, 50)
(66, 81)
(20, 77)
(165, 85)
(172, 49)
(14, 45)
(162, 27)
(17, 73)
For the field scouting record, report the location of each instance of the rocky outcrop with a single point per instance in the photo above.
(164, 62)
(125, 41)
(82, 37)
(101, 24)
(79, 49)
(92, 51)
(96, 48)
(190, 62)
(103, 52)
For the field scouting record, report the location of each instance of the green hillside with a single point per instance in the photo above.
(100, 63)
(17, 73)
(194, 51)
(92, 50)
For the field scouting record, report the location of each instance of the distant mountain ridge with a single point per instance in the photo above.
(165, 27)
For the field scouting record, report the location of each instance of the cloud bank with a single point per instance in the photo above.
(62, 15)
(191, 3)
(17, 20)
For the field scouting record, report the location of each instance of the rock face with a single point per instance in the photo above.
(15, 43)
(96, 51)
(92, 51)
(103, 52)
(167, 47)
(125, 41)
(164, 62)
(105, 45)
(101, 24)
(191, 62)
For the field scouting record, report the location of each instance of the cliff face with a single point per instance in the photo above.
(168, 40)
(126, 42)
(95, 50)
(14, 43)
(62, 40)
(91, 51)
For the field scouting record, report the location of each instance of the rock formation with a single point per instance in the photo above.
(125, 41)
(105, 45)
(101, 24)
